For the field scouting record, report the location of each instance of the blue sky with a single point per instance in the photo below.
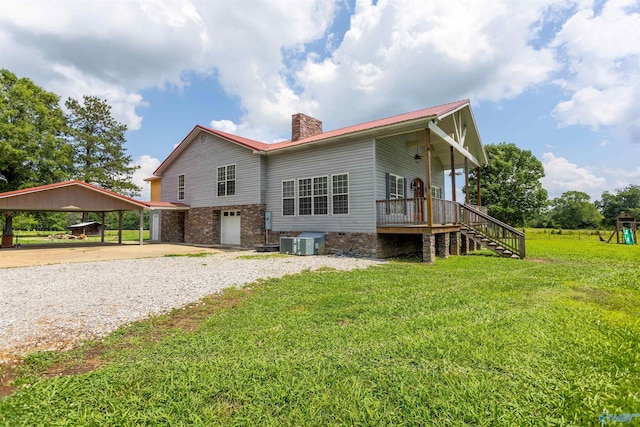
(558, 77)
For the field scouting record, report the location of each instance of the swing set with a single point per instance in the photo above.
(626, 229)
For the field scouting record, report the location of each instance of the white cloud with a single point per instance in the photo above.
(397, 55)
(224, 125)
(116, 49)
(147, 165)
(408, 54)
(602, 55)
(561, 175)
(623, 178)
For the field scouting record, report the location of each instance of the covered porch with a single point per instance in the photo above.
(421, 162)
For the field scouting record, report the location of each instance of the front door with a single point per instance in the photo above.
(155, 227)
(230, 228)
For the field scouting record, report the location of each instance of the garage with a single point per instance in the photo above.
(230, 227)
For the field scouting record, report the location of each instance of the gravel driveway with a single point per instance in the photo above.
(59, 306)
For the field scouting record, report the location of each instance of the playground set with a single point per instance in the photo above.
(626, 229)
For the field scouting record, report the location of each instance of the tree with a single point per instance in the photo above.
(98, 141)
(625, 200)
(574, 210)
(33, 150)
(510, 184)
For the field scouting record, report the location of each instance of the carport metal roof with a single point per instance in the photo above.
(69, 196)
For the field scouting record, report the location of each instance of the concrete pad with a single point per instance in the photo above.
(31, 255)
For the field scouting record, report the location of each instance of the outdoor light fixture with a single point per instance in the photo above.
(417, 157)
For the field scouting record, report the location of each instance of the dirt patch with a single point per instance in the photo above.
(80, 361)
(27, 256)
(7, 376)
(541, 260)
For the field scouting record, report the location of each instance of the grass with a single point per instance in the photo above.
(476, 340)
(194, 255)
(42, 237)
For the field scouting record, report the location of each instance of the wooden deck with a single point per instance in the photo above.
(411, 216)
(418, 229)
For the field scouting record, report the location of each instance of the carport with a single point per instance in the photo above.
(73, 196)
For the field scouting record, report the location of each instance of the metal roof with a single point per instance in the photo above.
(436, 112)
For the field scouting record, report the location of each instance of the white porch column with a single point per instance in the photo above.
(141, 225)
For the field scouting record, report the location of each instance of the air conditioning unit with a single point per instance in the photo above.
(306, 246)
(286, 245)
(299, 246)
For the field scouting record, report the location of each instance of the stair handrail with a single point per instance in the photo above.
(519, 249)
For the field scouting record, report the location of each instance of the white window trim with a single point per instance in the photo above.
(396, 194)
(184, 191)
(312, 196)
(395, 207)
(235, 180)
(295, 201)
(348, 193)
(436, 192)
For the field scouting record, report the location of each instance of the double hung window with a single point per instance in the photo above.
(340, 194)
(181, 187)
(226, 180)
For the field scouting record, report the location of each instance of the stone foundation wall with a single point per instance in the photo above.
(202, 226)
(442, 245)
(428, 248)
(252, 230)
(172, 226)
(356, 244)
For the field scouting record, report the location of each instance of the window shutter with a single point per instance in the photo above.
(387, 193)
(406, 195)
(386, 185)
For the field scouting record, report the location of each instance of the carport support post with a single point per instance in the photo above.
(119, 227)
(102, 227)
(141, 224)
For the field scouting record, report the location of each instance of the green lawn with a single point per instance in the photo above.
(42, 237)
(475, 340)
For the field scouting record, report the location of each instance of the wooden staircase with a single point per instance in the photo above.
(495, 235)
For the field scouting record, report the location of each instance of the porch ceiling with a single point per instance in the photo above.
(440, 149)
(459, 127)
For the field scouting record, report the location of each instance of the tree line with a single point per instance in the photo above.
(40, 144)
(511, 188)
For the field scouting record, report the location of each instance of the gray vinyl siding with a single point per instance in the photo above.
(199, 163)
(353, 158)
(263, 179)
(396, 158)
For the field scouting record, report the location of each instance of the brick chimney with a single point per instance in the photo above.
(303, 126)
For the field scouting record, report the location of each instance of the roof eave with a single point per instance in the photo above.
(386, 130)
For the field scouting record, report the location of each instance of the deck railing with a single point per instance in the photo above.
(413, 211)
(445, 212)
(506, 235)
(403, 212)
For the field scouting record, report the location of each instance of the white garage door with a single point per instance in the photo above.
(230, 228)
